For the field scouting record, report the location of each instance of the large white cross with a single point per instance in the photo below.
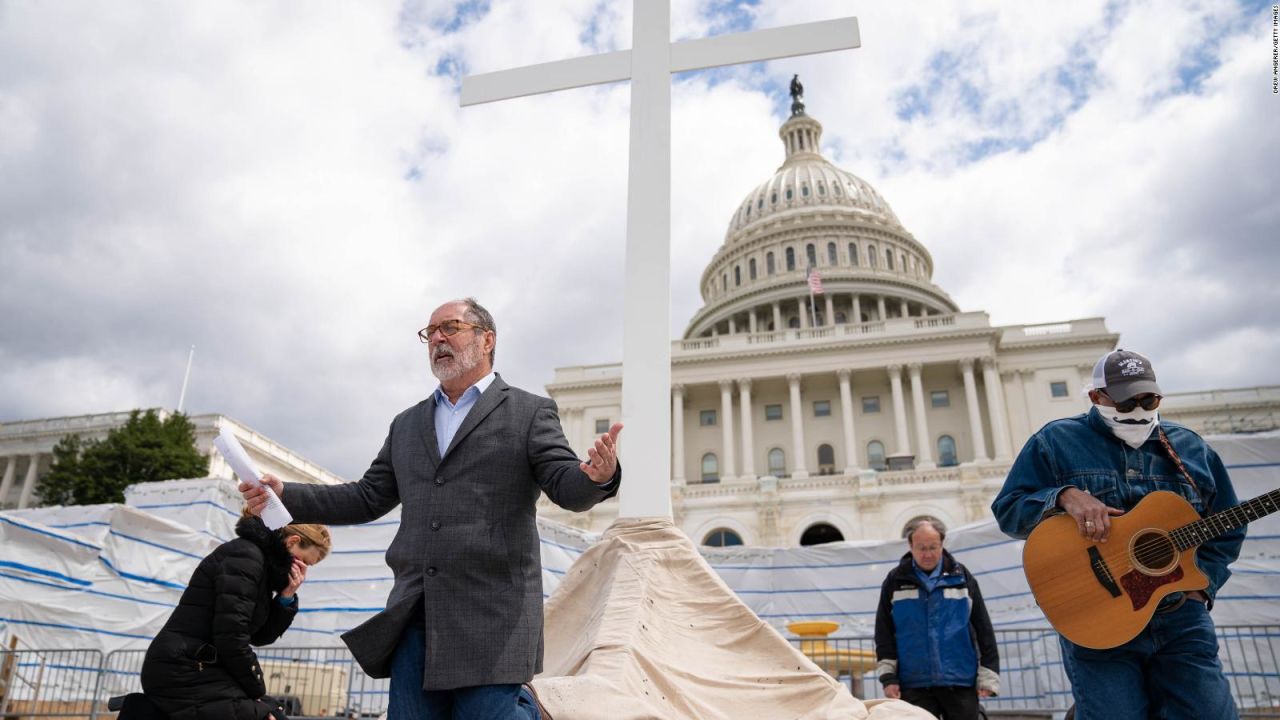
(646, 344)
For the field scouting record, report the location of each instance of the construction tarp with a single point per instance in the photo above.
(106, 577)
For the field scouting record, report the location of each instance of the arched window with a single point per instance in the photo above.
(768, 263)
(788, 192)
(875, 456)
(832, 257)
(737, 275)
(853, 254)
(947, 451)
(804, 191)
(724, 280)
(791, 259)
(819, 533)
(888, 259)
(773, 198)
(777, 463)
(722, 537)
(871, 255)
(751, 268)
(822, 189)
(710, 468)
(794, 322)
(826, 460)
(836, 188)
(811, 253)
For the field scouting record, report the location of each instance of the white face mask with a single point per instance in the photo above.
(1132, 427)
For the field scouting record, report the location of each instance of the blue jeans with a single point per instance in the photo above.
(1169, 671)
(408, 701)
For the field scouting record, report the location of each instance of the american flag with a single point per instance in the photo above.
(815, 282)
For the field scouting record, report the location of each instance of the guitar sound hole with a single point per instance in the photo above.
(1153, 552)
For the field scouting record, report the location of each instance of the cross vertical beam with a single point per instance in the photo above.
(646, 341)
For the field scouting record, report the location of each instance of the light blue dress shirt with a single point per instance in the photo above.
(449, 416)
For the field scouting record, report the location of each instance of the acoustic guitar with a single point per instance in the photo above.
(1101, 595)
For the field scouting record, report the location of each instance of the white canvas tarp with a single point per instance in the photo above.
(106, 577)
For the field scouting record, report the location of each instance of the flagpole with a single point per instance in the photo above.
(182, 396)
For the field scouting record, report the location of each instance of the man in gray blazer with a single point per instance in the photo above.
(461, 635)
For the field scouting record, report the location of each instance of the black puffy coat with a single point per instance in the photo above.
(200, 665)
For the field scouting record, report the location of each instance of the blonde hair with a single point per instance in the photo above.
(310, 536)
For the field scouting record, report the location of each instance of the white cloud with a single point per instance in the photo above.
(293, 189)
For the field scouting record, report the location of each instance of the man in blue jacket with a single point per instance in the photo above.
(934, 644)
(1101, 464)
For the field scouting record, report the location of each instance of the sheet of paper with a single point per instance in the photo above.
(274, 514)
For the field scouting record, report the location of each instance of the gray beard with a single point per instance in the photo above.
(466, 361)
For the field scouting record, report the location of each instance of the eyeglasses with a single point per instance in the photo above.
(1150, 401)
(448, 328)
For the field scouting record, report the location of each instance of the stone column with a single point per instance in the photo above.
(677, 435)
(1086, 378)
(846, 416)
(857, 309)
(880, 306)
(906, 311)
(975, 415)
(831, 309)
(748, 441)
(803, 306)
(777, 316)
(29, 482)
(572, 422)
(733, 325)
(728, 469)
(751, 321)
(1028, 387)
(924, 451)
(11, 465)
(995, 406)
(1012, 382)
(798, 452)
(902, 446)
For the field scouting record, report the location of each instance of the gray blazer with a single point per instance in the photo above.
(468, 544)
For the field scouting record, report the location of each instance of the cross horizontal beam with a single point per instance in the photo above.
(747, 47)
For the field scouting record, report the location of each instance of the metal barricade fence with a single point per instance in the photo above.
(49, 683)
(326, 682)
(1034, 680)
(309, 682)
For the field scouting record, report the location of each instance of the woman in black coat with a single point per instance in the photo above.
(200, 665)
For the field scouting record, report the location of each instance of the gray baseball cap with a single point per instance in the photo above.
(1124, 374)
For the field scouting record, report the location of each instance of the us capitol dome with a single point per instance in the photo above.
(812, 214)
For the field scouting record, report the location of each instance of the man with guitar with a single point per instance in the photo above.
(1152, 586)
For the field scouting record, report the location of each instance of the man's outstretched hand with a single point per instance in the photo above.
(255, 498)
(602, 459)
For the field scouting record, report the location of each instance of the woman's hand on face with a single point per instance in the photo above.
(297, 574)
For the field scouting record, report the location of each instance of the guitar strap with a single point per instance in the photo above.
(1173, 455)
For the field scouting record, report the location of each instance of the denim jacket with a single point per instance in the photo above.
(1082, 452)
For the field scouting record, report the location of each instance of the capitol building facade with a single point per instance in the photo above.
(801, 419)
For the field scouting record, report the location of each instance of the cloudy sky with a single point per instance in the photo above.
(292, 187)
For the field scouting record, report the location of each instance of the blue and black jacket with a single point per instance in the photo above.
(941, 638)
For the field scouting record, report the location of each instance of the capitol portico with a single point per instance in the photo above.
(800, 418)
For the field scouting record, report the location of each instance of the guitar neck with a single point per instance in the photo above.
(1220, 523)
